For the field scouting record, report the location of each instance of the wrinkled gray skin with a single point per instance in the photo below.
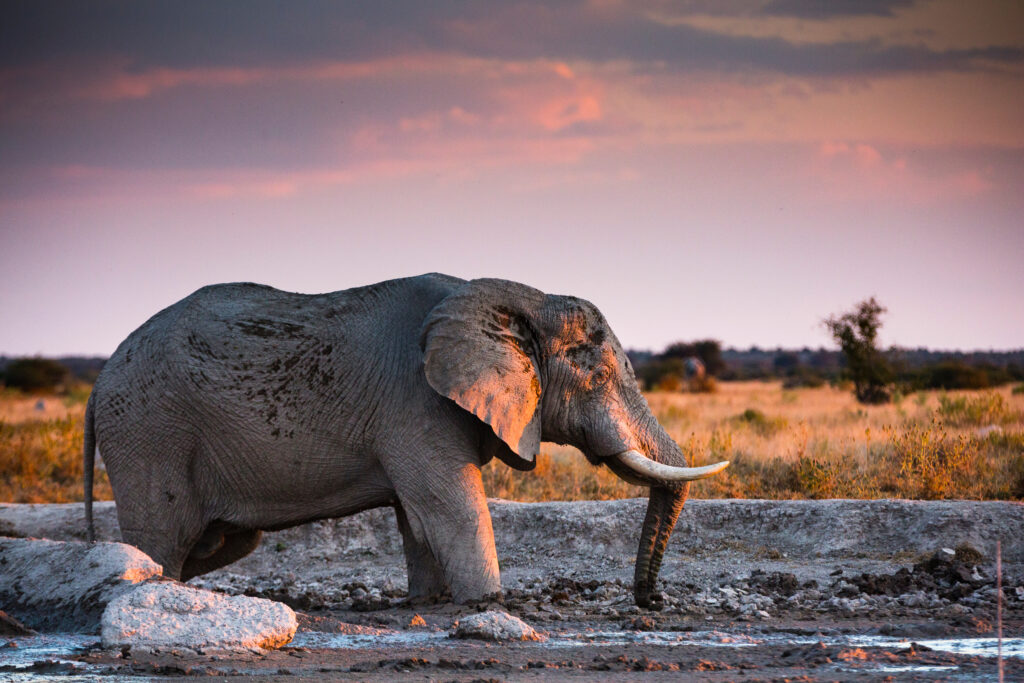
(242, 408)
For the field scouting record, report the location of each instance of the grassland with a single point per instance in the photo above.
(800, 443)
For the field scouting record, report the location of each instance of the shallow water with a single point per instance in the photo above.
(985, 647)
(58, 647)
(52, 646)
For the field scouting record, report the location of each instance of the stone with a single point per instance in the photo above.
(495, 626)
(168, 614)
(65, 586)
(417, 622)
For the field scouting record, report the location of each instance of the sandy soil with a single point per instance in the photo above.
(752, 591)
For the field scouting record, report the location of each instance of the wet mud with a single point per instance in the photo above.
(766, 626)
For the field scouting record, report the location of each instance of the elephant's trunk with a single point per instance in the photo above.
(664, 471)
(663, 510)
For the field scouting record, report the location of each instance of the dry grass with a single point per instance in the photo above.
(814, 443)
(41, 450)
(799, 443)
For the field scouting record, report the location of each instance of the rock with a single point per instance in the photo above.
(51, 585)
(417, 621)
(494, 625)
(170, 614)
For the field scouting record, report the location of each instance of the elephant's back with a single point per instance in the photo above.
(277, 362)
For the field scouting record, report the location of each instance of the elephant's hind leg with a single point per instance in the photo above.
(227, 547)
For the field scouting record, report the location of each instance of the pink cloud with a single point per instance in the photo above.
(861, 171)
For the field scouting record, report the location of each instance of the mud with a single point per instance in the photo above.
(767, 591)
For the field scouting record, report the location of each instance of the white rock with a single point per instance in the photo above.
(53, 585)
(170, 614)
(494, 625)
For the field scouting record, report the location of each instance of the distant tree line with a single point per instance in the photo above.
(912, 369)
(37, 374)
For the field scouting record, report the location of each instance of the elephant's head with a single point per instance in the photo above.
(540, 367)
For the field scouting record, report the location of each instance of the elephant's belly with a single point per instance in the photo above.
(290, 486)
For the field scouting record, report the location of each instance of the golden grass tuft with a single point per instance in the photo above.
(41, 462)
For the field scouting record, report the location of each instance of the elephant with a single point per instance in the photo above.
(243, 408)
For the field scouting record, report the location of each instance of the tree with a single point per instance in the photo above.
(34, 374)
(856, 333)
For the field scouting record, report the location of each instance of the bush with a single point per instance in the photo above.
(35, 374)
(932, 464)
(803, 379)
(759, 422)
(986, 409)
(953, 375)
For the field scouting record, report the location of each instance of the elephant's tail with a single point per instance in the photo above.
(88, 461)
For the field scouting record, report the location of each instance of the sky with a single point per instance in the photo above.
(737, 170)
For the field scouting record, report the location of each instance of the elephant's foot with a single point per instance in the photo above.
(487, 602)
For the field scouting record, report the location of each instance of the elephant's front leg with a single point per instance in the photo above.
(426, 580)
(446, 510)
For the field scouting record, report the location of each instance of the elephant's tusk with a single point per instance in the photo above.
(651, 469)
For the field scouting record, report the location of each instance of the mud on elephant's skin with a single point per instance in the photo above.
(242, 408)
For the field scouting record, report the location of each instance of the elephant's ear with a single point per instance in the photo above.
(481, 351)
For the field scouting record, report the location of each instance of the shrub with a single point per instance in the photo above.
(759, 422)
(804, 379)
(703, 385)
(986, 409)
(932, 464)
(35, 374)
(816, 477)
(953, 375)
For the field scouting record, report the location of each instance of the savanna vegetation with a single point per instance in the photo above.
(783, 443)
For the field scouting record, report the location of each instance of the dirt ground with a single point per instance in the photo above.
(752, 591)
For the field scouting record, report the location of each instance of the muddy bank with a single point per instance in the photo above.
(596, 540)
(752, 590)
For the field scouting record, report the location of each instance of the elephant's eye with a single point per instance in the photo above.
(601, 375)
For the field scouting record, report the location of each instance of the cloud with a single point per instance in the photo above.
(155, 36)
(818, 9)
(858, 171)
